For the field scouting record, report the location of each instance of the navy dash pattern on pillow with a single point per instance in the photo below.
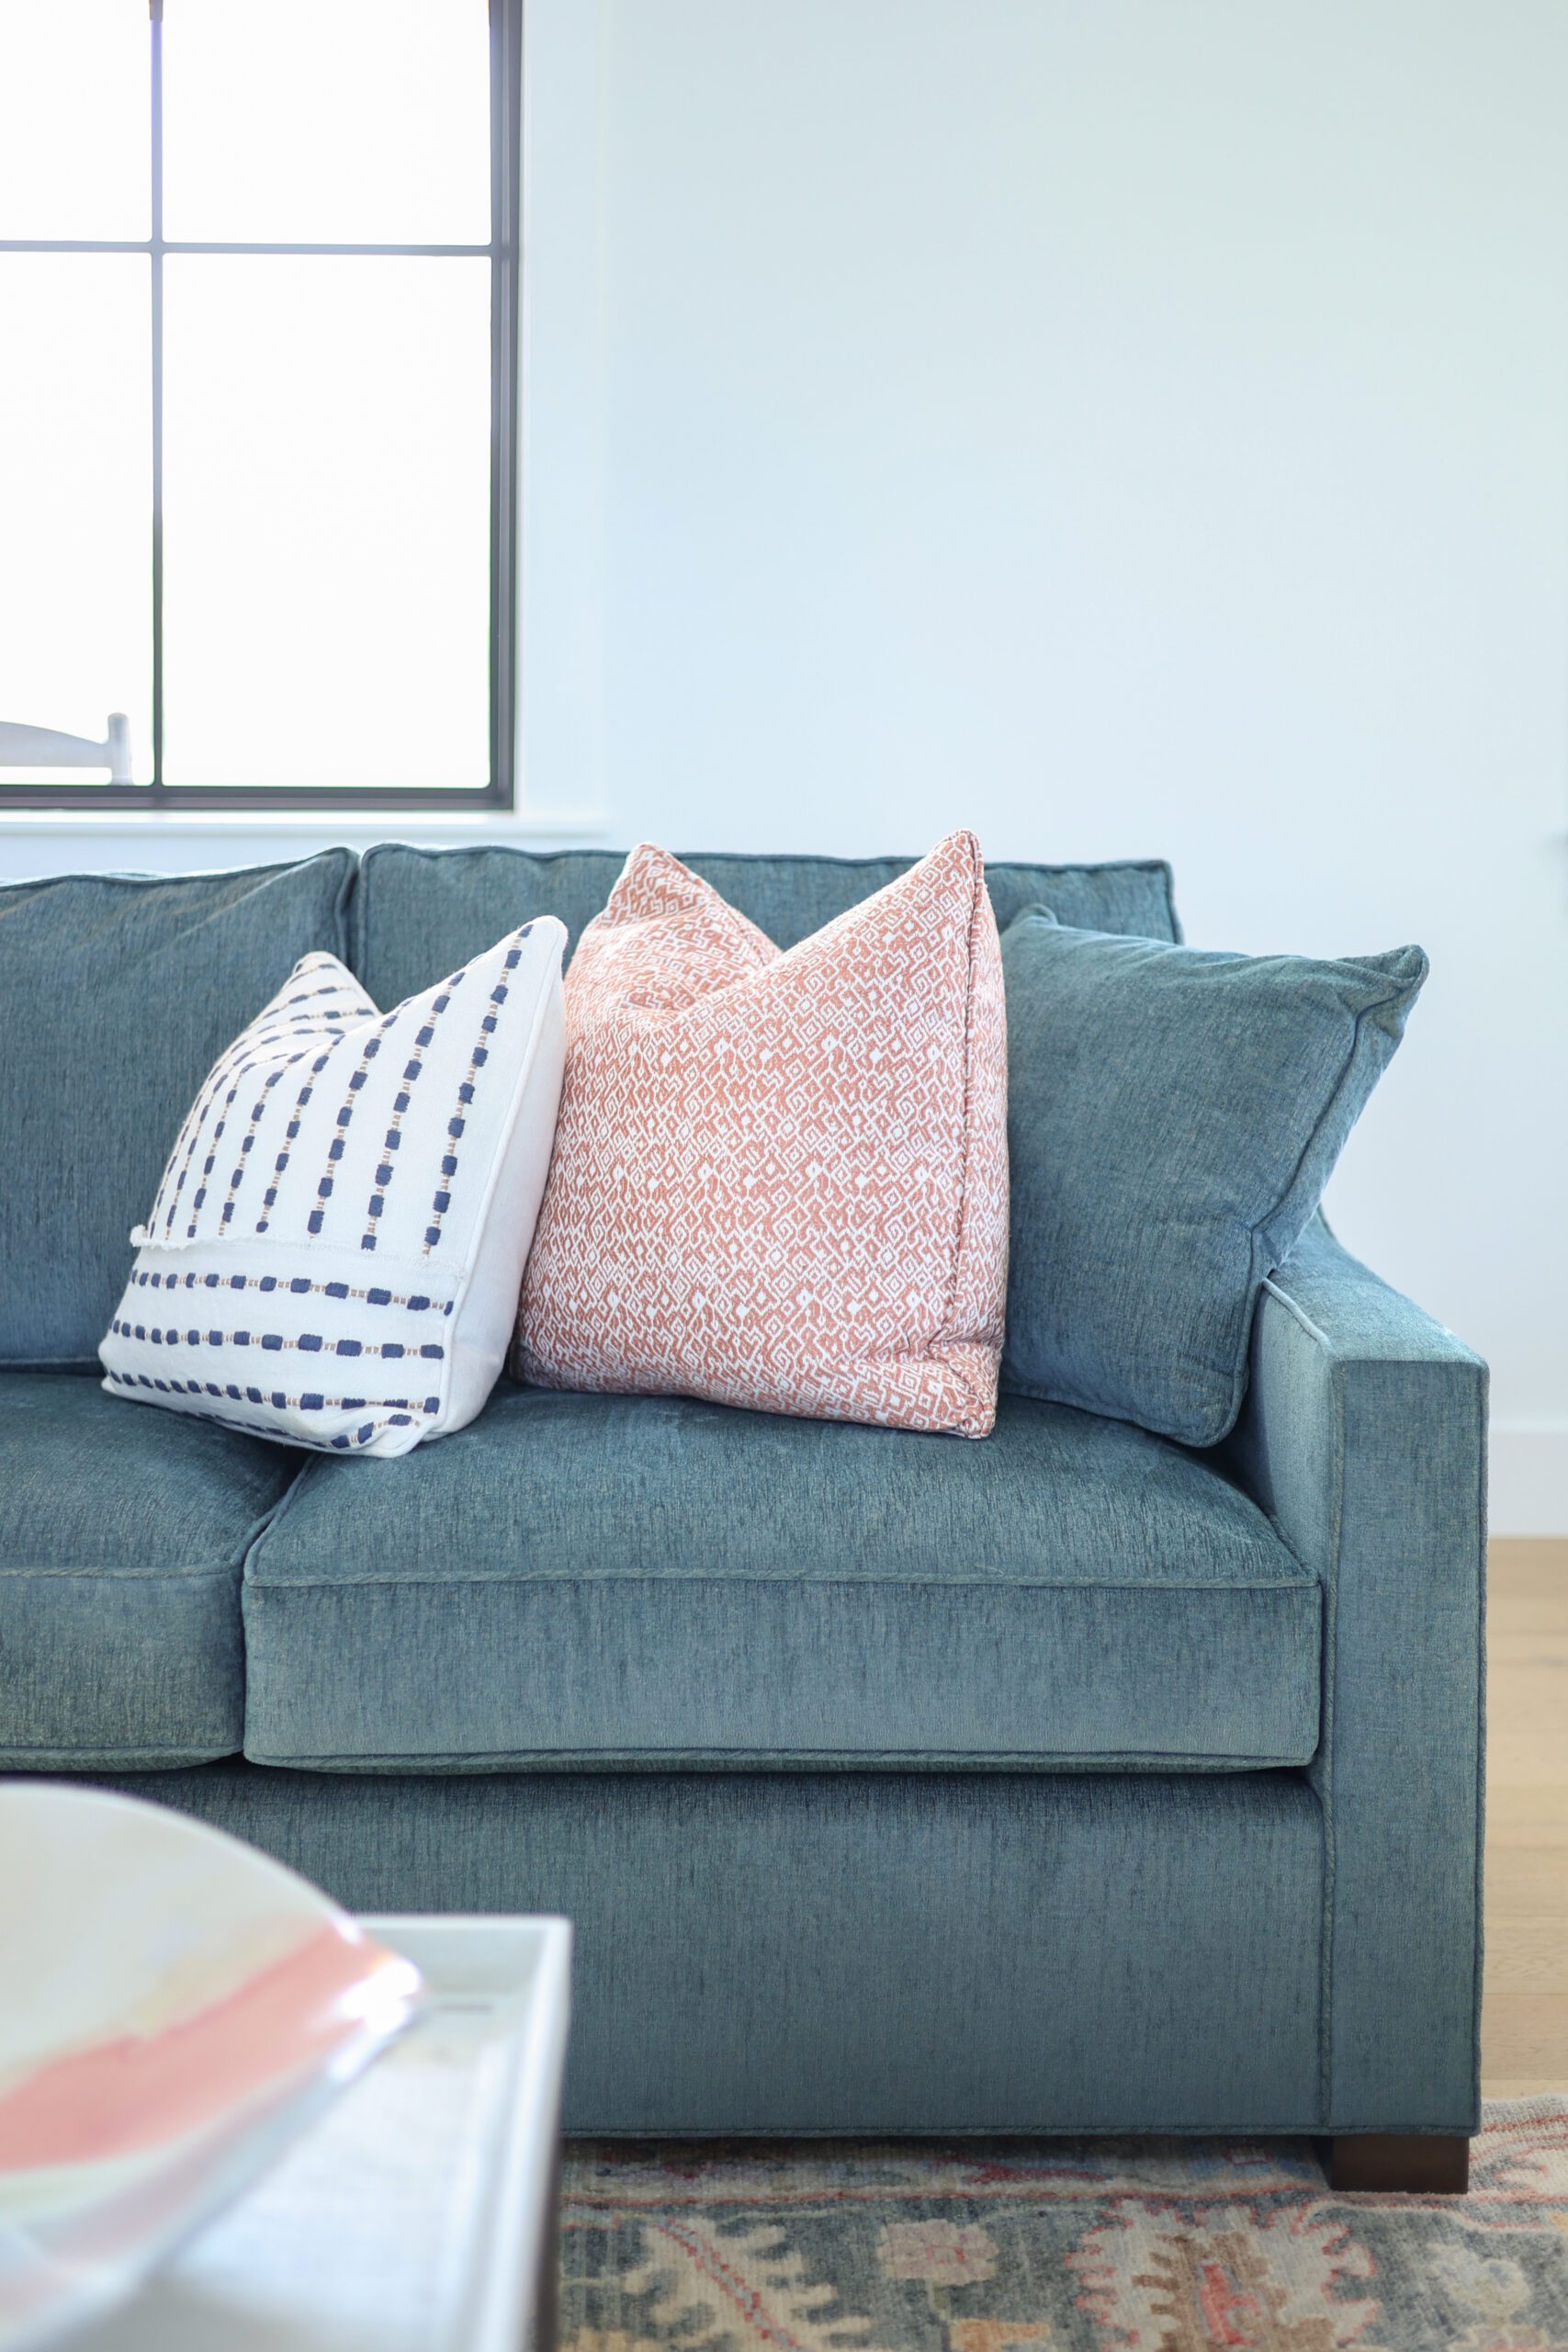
(334, 1255)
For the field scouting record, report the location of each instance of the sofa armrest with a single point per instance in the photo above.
(1364, 1438)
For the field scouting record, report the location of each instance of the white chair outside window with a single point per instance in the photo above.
(46, 747)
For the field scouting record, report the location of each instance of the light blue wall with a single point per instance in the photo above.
(1120, 427)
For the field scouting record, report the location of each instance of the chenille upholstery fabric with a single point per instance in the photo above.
(119, 991)
(332, 1255)
(1364, 1438)
(121, 1539)
(865, 1951)
(645, 1582)
(923, 1950)
(780, 1178)
(1173, 1116)
(417, 914)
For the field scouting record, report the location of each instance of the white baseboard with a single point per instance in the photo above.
(1529, 1479)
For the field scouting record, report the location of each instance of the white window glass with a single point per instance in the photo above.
(326, 531)
(74, 118)
(75, 501)
(331, 122)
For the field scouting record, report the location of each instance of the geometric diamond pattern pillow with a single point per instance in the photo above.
(334, 1255)
(780, 1180)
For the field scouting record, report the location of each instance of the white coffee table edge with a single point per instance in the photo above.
(525, 2189)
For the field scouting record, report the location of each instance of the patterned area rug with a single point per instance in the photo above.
(1097, 2245)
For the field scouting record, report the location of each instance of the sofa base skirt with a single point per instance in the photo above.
(859, 1952)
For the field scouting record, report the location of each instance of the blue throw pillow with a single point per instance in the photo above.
(1173, 1116)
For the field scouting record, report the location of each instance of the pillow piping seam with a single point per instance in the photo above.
(947, 1337)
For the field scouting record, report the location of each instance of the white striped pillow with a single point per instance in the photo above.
(334, 1253)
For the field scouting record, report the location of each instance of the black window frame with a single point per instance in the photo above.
(503, 250)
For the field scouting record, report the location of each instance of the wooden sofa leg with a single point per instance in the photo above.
(1419, 2164)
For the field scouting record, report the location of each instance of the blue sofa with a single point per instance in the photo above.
(1070, 1782)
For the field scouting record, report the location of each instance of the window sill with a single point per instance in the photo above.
(357, 827)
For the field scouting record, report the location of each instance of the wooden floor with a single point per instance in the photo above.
(1524, 2032)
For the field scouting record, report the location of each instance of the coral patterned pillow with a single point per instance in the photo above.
(780, 1180)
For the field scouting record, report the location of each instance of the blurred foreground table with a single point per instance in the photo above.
(420, 2215)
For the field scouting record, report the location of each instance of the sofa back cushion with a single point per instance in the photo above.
(119, 991)
(419, 913)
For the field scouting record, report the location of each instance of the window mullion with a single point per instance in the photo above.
(501, 252)
(155, 14)
(505, 94)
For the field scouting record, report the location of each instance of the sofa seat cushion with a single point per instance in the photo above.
(640, 1581)
(122, 1541)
